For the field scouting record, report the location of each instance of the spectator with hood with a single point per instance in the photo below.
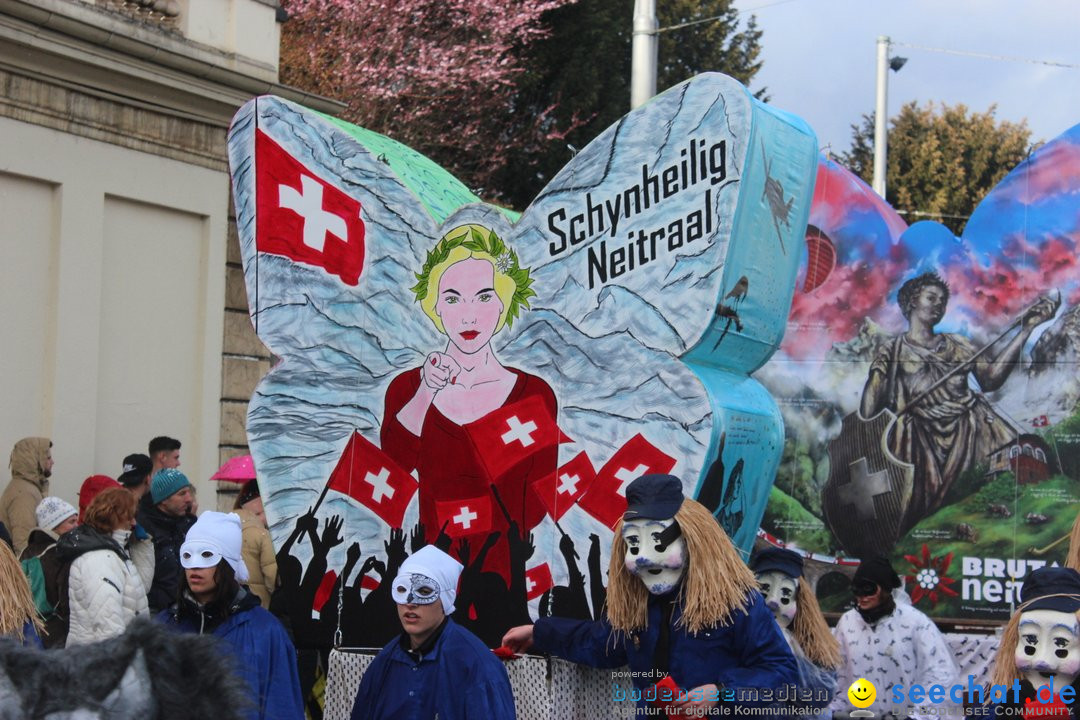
(886, 641)
(31, 466)
(212, 601)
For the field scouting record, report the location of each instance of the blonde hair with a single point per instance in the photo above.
(16, 601)
(716, 582)
(512, 283)
(812, 632)
(1072, 560)
(1005, 670)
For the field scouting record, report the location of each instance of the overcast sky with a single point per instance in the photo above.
(819, 59)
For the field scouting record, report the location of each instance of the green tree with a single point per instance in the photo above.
(942, 160)
(580, 73)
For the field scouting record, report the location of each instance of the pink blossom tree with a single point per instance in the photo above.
(438, 75)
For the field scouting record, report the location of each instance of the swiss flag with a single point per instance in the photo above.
(322, 594)
(305, 218)
(538, 581)
(1041, 421)
(368, 475)
(513, 433)
(606, 498)
(560, 491)
(464, 517)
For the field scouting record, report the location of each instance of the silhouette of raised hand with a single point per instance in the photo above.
(395, 548)
(444, 541)
(373, 563)
(463, 552)
(418, 539)
(331, 536)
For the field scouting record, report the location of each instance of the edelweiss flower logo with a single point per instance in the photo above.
(930, 578)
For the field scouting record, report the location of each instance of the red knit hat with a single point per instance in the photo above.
(90, 488)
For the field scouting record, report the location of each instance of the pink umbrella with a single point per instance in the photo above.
(238, 469)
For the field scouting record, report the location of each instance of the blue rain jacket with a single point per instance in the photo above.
(263, 654)
(748, 654)
(459, 679)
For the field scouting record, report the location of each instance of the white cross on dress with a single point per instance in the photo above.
(522, 432)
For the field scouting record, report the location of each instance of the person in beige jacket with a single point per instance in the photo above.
(258, 550)
(31, 465)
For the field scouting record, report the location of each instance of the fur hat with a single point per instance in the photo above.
(52, 511)
(214, 537)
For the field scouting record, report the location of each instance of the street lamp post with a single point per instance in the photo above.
(881, 111)
(643, 53)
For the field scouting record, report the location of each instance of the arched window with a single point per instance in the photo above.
(1014, 451)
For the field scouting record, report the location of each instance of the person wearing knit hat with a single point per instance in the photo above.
(887, 641)
(43, 567)
(436, 668)
(1039, 652)
(167, 512)
(214, 601)
(56, 515)
(91, 488)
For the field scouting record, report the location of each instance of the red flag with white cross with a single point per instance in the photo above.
(368, 475)
(538, 581)
(606, 497)
(513, 433)
(465, 517)
(560, 491)
(304, 218)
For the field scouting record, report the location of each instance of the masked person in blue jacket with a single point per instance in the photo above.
(213, 602)
(436, 668)
(682, 610)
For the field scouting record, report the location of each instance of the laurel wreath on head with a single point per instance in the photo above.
(485, 241)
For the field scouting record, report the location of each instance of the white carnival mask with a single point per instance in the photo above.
(1048, 651)
(779, 590)
(659, 566)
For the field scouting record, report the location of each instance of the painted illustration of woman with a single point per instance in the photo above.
(471, 286)
(946, 426)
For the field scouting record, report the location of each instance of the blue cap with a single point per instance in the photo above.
(166, 483)
(1062, 582)
(653, 497)
(786, 561)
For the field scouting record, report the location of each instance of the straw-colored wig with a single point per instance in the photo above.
(812, 632)
(716, 582)
(1005, 670)
(513, 284)
(16, 602)
(1072, 560)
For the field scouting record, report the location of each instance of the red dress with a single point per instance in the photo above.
(449, 467)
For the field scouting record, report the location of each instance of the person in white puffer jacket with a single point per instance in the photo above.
(108, 574)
